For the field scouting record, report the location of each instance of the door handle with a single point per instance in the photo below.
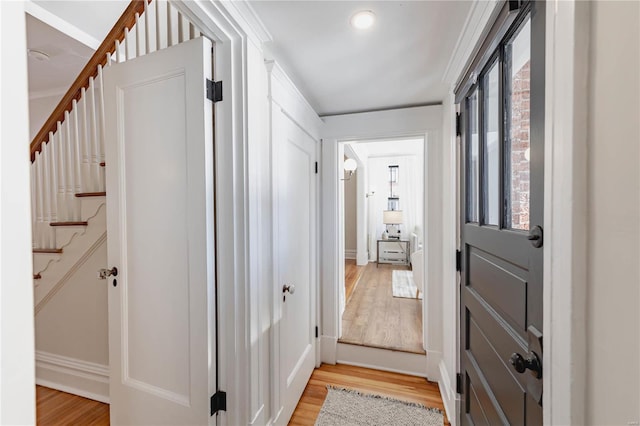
(535, 236)
(289, 288)
(532, 362)
(103, 274)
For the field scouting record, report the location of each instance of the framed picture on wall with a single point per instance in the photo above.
(393, 174)
(393, 203)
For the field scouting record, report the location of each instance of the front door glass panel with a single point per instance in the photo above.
(518, 99)
(491, 146)
(473, 159)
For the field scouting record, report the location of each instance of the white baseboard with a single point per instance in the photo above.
(433, 365)
(350, 254)
(75, 376)
(450, 398)
(382, 359)
(328, 349)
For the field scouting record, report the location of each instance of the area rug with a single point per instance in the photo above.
(347, 407)
(403, 285)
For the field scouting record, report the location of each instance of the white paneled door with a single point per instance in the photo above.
(295, 192)
(160, 222)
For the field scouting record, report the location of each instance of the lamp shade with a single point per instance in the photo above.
(392, 217)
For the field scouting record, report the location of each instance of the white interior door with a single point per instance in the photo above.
(295, 189)
(159, 156)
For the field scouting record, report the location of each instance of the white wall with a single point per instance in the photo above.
(263, 383)
(613, 292)
(350, 216)
(39, 110)
(17, 390)
(409, 189)
(72, 340)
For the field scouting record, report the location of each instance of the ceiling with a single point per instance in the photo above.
(66, 58)
(387, 148)
(398, 62)
(67, 55)
(96, 18)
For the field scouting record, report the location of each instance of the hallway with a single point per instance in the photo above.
(373, 317)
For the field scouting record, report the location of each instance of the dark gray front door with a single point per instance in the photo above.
(502, 134)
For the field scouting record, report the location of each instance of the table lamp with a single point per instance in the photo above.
(392, 218)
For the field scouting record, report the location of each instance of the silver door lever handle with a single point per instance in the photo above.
(103, 274)
(289, 288)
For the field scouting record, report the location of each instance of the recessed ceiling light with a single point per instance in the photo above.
(363, 20)
(37, 55)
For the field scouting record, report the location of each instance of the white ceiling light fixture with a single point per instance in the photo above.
(363, 20)
(38, 55)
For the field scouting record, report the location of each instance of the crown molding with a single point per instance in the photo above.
(244, 14)
(478, 22)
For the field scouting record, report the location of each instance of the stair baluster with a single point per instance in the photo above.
(68, 154)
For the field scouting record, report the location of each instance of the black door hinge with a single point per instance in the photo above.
(218, 402)
(316, 167)
(458, 124)
(316, 331)
(458, 260)
(514, 5)
(214, 90)
(459, 383)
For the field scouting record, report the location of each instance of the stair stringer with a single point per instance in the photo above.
(75, 254)
(90, 208)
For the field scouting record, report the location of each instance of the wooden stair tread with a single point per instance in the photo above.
(91, 194)
(53, 251)
(37, 276)
(68, 223)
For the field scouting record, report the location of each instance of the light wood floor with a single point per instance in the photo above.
(394, 385)
(352, 274)
(59, 408)
(373, 317)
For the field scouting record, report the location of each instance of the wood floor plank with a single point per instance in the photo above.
(59, 408)
(373, 317)
(352, 273)
(394, 385)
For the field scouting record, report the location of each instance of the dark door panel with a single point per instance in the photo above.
(483, 394)
(505, 387)
(511, 246)
(498, 333)
(501, 203)
(503, 286)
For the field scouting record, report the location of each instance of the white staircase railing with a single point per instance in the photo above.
(68, 154)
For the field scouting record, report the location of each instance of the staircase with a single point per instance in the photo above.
(68, 169)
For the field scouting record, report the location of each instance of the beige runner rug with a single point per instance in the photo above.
(347, 407)
(403, 284)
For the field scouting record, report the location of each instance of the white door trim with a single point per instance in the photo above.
(230, 66)
(565, 255)
(425, 122)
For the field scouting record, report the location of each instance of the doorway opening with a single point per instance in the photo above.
(383, 230)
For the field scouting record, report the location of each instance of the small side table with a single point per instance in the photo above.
(398, 260)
